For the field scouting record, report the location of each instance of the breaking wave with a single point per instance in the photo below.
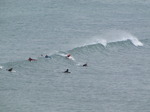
(114, 36)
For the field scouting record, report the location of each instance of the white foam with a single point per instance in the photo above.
(1, 67)
(64, 55)
(136, 42)
(71, 58)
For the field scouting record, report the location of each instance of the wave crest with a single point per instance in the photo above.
(114, 36)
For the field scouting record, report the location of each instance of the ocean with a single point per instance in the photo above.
(111, 36)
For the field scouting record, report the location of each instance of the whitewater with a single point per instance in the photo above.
(112, 37)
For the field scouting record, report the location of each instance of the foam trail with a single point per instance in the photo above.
(13, 71)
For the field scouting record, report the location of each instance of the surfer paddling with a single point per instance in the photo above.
(46, 56)
(10, 70)
(30, 59)
(84, 65)
(67, 71)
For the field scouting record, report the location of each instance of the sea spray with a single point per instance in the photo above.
(114, 36)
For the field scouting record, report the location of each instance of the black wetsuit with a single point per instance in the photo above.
(85, 65)
(67, 71)
(10, 69)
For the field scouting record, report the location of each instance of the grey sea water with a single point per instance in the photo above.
(111, 36)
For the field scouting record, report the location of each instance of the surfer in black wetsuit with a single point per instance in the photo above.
(67, 71)
(10, 69)
(84, 65)
(46, 56)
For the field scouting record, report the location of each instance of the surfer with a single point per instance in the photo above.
(67, 71)
(84, 64)
(68, 55)
(46, 56)
(10, 70)
(30, 59)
